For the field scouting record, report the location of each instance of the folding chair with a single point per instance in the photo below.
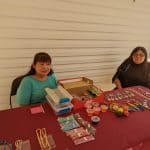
(14, 86)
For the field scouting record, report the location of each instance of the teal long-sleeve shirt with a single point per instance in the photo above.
(32, 91)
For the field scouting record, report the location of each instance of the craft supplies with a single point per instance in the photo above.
(43, 139)
(18, 144)
(85, 124)
(138, 93)
(104, 107)
(84, 139)
(59, 99)
(92, 108)
(95, 119)
(136, 98)
(77, 133)
(119, 110)
(68, 123)
(80, 132)
(90, 112)
(94, 91)
(58, 95)
(82, 89)
(61, 108)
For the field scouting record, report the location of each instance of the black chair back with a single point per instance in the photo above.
(14, 86)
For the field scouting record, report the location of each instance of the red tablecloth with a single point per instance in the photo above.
(112, 133)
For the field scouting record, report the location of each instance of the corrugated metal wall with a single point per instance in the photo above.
(84, 37)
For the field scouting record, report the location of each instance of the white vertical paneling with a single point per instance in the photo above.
(84, 38)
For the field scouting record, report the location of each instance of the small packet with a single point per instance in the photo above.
(68, 123)
(85, 124)
(84, 139)
(22, 145)
(6, 147)
(64, 119)
(51, 141)
(77, 133)
(37, 109)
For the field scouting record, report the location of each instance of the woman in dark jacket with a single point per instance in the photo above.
(135, 70)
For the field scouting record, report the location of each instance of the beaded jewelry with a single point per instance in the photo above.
(18, 144)
(43, 139)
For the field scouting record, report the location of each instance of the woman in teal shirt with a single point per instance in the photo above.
(40, 76)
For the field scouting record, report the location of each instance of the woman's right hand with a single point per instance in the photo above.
(118, 83)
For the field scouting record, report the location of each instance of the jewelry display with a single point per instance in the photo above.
(137, 98)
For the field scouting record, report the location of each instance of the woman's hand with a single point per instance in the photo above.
(118, 83)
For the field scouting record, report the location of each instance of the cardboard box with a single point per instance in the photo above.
(82, 89)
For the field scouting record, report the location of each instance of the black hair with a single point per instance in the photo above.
(137, 49)
(129, 62)
(40, 57)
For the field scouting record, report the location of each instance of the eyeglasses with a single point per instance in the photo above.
(138, 55)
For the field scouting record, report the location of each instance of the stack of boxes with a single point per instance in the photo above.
(59, 99)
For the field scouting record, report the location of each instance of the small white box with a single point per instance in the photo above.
(58, 95)
(60, 108)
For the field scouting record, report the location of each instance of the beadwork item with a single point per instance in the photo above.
(18, 144)
(43, 139)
